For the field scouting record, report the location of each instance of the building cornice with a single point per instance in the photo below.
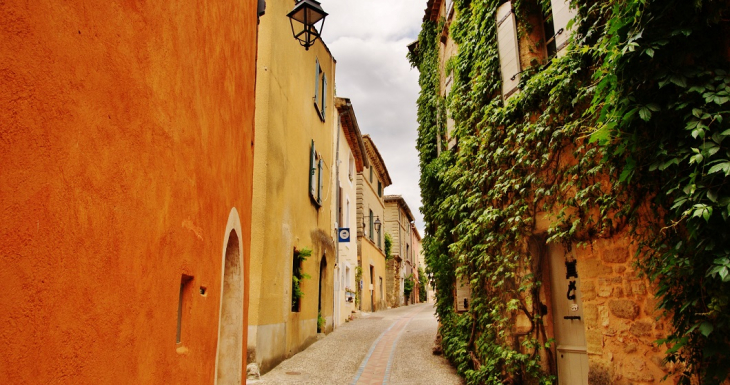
(377, 160)
(352, 132)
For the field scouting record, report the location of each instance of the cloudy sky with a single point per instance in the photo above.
(368, 38)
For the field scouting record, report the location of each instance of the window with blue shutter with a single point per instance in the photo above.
(320, 181)
(317, 77)
(312, 169)
(320, 91)
(324, 95)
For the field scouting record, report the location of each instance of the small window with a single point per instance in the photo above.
(347, 213)
(371, 175)
(183, 304)
(380, 189)
(380, 238)
(351, 172)
(372, 236)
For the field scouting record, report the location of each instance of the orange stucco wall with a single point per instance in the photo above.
(126, 138)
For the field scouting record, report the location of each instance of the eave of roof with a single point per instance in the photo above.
(352, 132)
(432, 10)
(378, 161)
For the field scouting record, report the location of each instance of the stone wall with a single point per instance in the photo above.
(620, 316)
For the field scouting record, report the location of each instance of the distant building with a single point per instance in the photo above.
(398, 218)
(126, 160)
(293, 252)
(351, 160)
(371, 183)
(417, 261)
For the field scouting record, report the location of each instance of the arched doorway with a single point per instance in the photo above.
(322, 277)
(229, 359)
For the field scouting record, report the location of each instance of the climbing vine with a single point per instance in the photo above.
(625, 132)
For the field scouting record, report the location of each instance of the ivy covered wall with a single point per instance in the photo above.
(622, 136)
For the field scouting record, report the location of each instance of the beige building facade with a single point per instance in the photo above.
(351, 160)
(371, 183)
(398, 223)
(292, 195)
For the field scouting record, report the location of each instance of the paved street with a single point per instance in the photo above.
(387, 347)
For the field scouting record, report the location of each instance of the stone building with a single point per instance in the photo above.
(416, 261)
(371, 183)
(398, 223)
(351, 160)
(605, 326)
(292, 249)
(126, 159)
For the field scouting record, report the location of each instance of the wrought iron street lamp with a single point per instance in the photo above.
(307, 13)
(377, 224)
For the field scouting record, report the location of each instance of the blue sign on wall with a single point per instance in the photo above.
(344, 234)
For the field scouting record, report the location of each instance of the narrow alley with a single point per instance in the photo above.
(387, 347)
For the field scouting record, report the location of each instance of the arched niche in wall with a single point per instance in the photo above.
(229, 356)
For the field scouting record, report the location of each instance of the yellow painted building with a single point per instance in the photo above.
(292, 193)
(371, 183)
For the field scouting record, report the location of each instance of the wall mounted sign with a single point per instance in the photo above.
(344, 234)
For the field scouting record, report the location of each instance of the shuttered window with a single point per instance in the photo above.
(320, 91)
(562, 14)
(324, 95)
(509, 53)
(317, 77)
(316, 178)
(312, 169)
(320, 181)
(372, 236)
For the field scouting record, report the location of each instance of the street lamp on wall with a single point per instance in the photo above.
(377, 224)
(307, 13)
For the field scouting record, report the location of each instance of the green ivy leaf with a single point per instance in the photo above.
(706, 328)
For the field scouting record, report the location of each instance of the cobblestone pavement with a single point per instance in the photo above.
(386, 347)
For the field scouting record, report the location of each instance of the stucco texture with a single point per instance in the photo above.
(285, 216)
(126, 138)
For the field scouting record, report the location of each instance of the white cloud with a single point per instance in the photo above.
(369, 39)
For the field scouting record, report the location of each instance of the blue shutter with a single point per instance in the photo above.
(324, 95)
(320, 181)
(312, 155)
(316, 82)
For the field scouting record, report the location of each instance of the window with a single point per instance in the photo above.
(351, 171)
(380, 238)
(316, 178)
(509, 52)
(183, 305)
(371, 174)
(347, 213)
(380, 189)
(340, 197)
(372, 237)
(320, 91)
(562, 14)
(296, 276)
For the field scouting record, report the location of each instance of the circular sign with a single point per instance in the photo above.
(344, 233)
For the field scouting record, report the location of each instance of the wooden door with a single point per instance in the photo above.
(568, 321)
